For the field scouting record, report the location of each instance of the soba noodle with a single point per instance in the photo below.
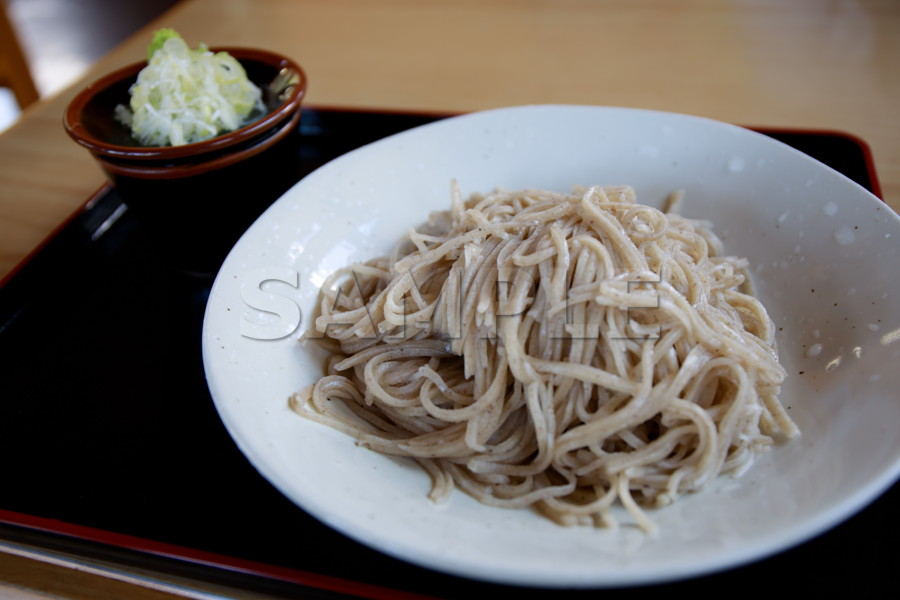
(566, 352)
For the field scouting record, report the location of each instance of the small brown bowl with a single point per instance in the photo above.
(195, 200)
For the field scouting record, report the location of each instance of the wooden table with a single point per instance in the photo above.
(805, 64)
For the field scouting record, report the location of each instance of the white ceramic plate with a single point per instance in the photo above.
(822, 247)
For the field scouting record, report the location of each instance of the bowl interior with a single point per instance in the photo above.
(90, 117)
(97, 113)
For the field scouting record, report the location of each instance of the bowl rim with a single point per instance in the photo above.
(180, 171)
(78, 132)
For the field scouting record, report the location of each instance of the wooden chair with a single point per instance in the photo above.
(14, 71)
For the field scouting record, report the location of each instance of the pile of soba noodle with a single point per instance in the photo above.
(567, 352)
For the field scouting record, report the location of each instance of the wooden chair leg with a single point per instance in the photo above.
(14, 70)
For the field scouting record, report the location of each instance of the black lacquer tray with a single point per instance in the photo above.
(112, 450)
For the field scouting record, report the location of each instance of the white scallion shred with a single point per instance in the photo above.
(187, 95)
